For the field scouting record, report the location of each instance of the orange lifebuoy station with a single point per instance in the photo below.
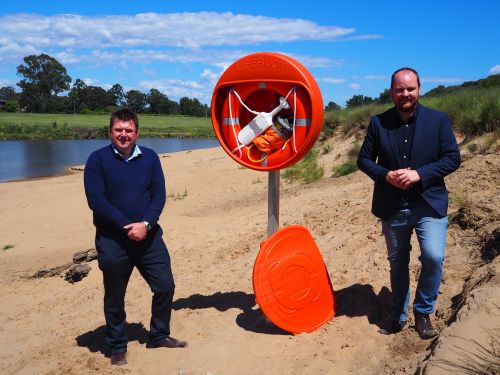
(254, 84)
(271, 100)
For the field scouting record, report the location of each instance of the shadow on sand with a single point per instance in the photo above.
(249, 319)
(353, 301)
(95, 340)
(360, 300)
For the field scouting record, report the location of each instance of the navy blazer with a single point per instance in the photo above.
(434, 155)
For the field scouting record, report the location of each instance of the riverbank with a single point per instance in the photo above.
(214, 221)
(30, 126)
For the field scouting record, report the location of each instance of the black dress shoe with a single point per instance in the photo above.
(390, 326)
(119, 359)
(168, 342)
(424, 327)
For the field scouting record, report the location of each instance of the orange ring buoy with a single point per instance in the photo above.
(291, 282)
(260, 79)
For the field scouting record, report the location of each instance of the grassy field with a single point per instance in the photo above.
(68, 126)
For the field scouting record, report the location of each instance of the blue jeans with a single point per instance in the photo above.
(431, 235)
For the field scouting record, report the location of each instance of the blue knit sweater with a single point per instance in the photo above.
(121, 193)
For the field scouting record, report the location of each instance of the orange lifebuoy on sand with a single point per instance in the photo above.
(291, 282)
(256, 83)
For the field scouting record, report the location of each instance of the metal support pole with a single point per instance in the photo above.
(273, 202)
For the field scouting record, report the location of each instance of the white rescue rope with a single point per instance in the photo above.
(240, 145)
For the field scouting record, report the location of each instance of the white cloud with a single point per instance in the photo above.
(67, 57)
(7, 82)
(355, 86)
(331, 80)
(184, 30)
(219, 58)
(495, 70)
(316, 62)
(91, 81)
(176, 89)
(150, 72)
(376, 78)
(12, 51)
(209, 38)
(210, 77)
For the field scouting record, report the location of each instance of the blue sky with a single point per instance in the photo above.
(182, 47)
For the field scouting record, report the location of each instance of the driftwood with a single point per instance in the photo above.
(75, 271)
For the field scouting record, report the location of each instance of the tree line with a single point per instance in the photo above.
(44, 78)
(360, 100)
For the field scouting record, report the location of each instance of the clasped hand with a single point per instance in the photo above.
(403, 178)
(136, 231)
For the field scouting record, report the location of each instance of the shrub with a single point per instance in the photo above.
(488, 141)
(354, 151)
(472, 111)
(350, 166)
(490, 115)
(472, 147)
(11, 106)
(326, 149)
(331, 123)
(179, 196)
(306, 170)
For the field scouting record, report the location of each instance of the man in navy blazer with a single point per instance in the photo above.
(407, 152)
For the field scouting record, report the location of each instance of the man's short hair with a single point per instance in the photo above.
(124, 114)
(403, 69)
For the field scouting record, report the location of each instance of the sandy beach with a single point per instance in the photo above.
(213, 222)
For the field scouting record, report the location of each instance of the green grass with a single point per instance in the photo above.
(307, 170)
(7, 247)
(351, 165)
(79, 126)
(472, 111)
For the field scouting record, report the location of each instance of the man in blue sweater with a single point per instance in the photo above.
(125, 190)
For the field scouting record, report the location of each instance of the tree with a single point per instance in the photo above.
(136, 100)
(44, 77)
(358, 100)
(60, 104)
(8, 93)
(117, 95)
(384, 97)
(191, 107)
(158, 102)
(173, 107)
(77, 94)
(331, 106)
(96, 98)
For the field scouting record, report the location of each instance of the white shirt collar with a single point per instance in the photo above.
(135, 153)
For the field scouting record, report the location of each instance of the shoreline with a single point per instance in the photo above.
(76, 167)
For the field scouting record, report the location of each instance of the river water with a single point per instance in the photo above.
(28, 159)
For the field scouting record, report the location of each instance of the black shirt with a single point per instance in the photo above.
(405, 134)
